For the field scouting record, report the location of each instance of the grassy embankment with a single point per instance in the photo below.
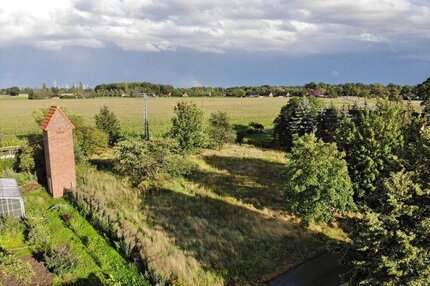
(98, 262)
(224, 224)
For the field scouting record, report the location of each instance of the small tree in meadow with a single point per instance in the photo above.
(107, 122)
(317, 180)
(188, 127)
(220, 129)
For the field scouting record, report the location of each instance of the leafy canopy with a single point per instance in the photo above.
(317, 180)
(188, 127)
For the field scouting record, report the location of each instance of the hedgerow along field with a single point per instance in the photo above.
(16, 113)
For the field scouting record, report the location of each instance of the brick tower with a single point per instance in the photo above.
(59, 154)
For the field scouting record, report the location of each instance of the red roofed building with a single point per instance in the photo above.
(59, 152)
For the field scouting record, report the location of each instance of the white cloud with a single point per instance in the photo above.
(295, 26)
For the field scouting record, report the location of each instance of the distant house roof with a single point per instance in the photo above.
(9, 189)
(317, 93)
(53, 112)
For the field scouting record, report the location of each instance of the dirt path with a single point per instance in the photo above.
(322, 271)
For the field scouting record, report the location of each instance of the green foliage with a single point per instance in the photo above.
(390, 242)
(61, 261)
(107, 122)
(15, 266)
(90, 140)
(299, 117)
(423, 90)
(188, 127)
(13, 91)
(25, 160)
(10, 227)
(317, 180)
(220, 130)
(147, 163)
(38, 237)
(257, 127)
(328, 121)
(372, 140)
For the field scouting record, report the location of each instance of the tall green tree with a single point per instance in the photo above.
(220, 130)
(299, 117)
(107, 122)
(318, 183)
(390, 243)
(188, 127)
(372, 140)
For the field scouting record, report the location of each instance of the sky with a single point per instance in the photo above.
(213, 43)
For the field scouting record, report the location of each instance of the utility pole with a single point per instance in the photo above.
(145, 96)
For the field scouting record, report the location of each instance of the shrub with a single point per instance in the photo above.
(220, 130)
(61, 261)
(317, 180)
(25, 160)
(107, 122)
(149, 162)
(188, 127)
(12, 265)
(10, 227)
(38, 238)
(257, 127)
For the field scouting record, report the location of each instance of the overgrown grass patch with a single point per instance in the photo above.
(224, 224)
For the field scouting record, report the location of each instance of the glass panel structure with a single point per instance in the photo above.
(11, 202)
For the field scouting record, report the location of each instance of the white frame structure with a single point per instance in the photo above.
(11, 202)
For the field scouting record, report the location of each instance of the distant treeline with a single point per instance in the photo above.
(134, 89)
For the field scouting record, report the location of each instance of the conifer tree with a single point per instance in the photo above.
(391, 242)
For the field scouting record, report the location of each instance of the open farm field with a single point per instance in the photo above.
(16, 114)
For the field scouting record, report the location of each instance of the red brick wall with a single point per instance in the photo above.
(59, 155)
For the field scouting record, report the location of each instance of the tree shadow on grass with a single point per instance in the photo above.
(242, 245)
(92, 280)
(255, 181)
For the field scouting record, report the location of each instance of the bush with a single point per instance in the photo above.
(12, 265)
(39, 238)
(61, 261)
(188, 127)
(25, 160)
(220, 130)
(317, 180)
(147, 163)
(257, 127)
(10, 227)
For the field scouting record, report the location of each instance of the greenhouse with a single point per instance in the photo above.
(11, 202)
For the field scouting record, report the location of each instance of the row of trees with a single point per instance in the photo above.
(372, 162)
(376, 90)
(391, 91)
